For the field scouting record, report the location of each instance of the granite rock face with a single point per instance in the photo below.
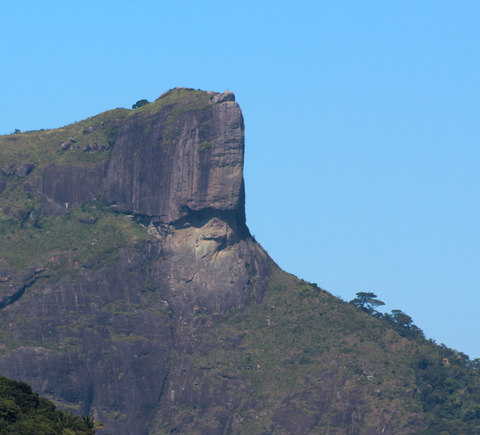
(182, 171)
(100, 339)
(169, 163)
(63, 187)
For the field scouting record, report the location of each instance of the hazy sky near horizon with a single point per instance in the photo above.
(362, 125)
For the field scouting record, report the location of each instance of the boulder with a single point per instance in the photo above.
(88, 130)
(88, 221)
(226, 96)
(100, 146)
(8, 170)
(24, 170)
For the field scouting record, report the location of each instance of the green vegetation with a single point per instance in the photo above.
(140, 103)
(89, 235)
(297, 332)
(280, 347)
(205, 146)
(367, 302)
(190, 100)
(23, 412)
(449, 391)
(402, 322)
(178, 101)
(44, 147)
(448, 383)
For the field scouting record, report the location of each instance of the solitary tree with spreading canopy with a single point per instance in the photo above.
(367, 302)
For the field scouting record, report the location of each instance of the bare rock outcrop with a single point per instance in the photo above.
(170, 162)
(182, 170)
(177, 165)
(67, 186)
(207, 266)
(24, 170)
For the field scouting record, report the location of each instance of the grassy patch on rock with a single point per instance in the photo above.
(88, 235)
(42, 147)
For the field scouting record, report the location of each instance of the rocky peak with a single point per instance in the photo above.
(180, 156)
(178, 165)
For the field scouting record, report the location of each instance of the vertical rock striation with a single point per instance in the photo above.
(177, 156)
(178, 165)
(98, 339)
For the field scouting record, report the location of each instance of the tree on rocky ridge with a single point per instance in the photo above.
(140, 103)
(367, 302)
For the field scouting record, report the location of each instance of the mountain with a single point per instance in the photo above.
(131, 290)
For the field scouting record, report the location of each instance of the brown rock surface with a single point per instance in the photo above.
(67, 186)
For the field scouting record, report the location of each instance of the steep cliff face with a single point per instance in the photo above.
(64, 187)
(179, 155)
(89, 320)
(178, 165)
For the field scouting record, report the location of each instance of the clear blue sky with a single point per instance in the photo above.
(362, 125)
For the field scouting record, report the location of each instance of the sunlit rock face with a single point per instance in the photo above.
(99, 339)
(178, 164)
(170, 161)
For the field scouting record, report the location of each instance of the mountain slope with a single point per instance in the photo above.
(303, 361)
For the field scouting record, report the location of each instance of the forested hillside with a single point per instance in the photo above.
(23, 412)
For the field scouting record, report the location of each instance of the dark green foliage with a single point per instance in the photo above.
(367, 302)
(23, 412)
(401, 319)
(140, 103)
(449, 390)
(402, 323)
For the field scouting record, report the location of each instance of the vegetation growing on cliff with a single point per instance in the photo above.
(87, 236)
(23, 412)
(303, 360)
(62, 146)
(27, 235)
(179, 100)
